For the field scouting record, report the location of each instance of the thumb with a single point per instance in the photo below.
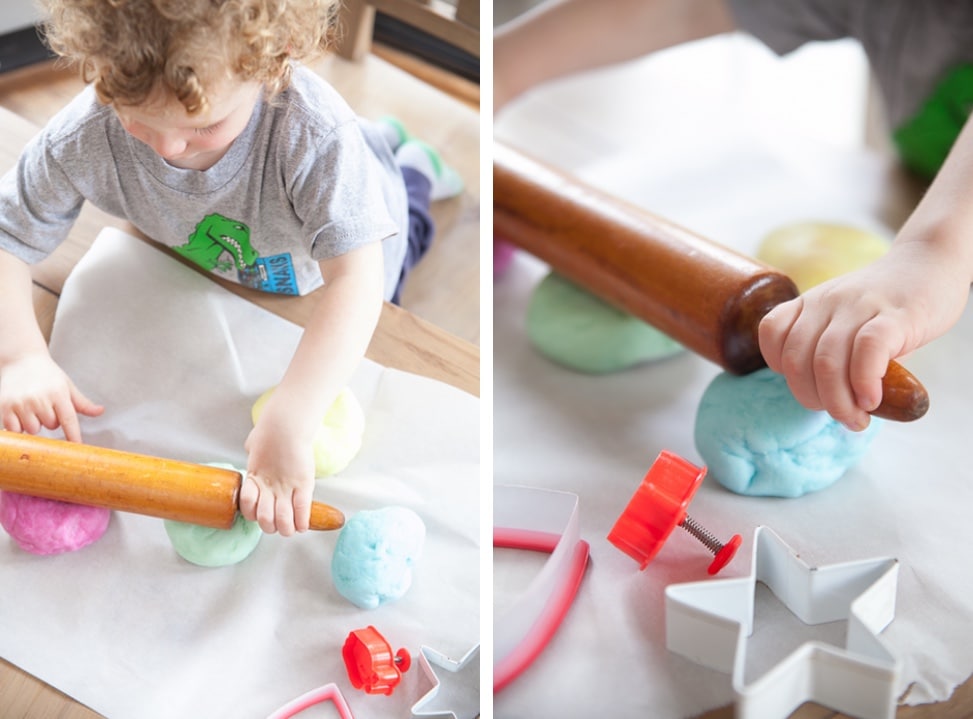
(84, 405)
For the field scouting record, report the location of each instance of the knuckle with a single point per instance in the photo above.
(826, 366)
(791, 361)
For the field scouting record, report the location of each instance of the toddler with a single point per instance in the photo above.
(200, 126)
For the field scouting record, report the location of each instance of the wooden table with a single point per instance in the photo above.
(402, 341)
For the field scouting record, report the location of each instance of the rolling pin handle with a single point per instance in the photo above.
(326, 517)
(904, 399)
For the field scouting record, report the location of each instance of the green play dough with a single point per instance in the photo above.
(339, 437)
(578, 330)
(209, 547)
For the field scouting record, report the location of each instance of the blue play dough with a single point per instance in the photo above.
(375, 554)
(756, 439)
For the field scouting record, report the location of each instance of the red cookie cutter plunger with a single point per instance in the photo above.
(370, 663)
(659, 506)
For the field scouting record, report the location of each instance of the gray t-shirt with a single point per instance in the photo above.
(306, 180)
(911, 44)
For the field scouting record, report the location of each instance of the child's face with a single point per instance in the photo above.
(193, 142)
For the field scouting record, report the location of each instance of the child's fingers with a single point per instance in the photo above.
(44, 411)
(62, 414)
(284, 516)
(249, 494)
(70, 425)
(293, 514)
(876, 343)
(11, 422)
(797, 363)
(773, 330)
(266, 509)
(84, 405)
(832, 356)
(302, 510)
(28, 421)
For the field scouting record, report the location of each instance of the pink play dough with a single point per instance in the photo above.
(47, 526)
(503, 255)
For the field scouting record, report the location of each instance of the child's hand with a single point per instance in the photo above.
(834, 342)
(279, 485)
(35, 392)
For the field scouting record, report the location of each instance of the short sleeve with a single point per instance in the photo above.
(38, 203)
(336, 190)
(785, 25)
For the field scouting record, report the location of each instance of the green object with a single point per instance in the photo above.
(210, 547)
(219, 243)
(578, 330)
(924, 140)
(397, 125)
(434, 158)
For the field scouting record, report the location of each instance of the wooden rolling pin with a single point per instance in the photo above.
(706, 296)
(83, 474)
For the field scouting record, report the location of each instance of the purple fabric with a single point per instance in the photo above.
(421, 227)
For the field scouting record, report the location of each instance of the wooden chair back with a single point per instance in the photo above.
(457, 23)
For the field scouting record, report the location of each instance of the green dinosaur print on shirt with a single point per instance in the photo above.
(215, 237)
(219, 244)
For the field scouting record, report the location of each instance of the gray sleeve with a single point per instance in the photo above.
(38, 203)
(785, 25)
(337, 193)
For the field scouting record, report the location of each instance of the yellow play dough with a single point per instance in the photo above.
(813, 252)
(339, 438)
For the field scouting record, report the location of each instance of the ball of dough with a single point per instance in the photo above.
(210, 547)
(574, 328)
(48, 526)
(374, 555)
(756, 439)
(503, 256)
(339, 438)
(813, 252)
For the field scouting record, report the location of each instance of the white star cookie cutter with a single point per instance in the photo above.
(709, 622)
(456, 692)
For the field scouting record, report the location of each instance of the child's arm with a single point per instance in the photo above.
(834, 342)
(280, 469)
(34, 391)
(562, 37)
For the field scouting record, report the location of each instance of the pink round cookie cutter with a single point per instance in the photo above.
(546, 521)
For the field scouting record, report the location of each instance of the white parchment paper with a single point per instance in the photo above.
(717, 168)
(130, 629)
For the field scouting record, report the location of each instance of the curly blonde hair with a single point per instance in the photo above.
(131, 48)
